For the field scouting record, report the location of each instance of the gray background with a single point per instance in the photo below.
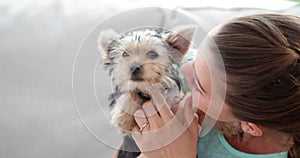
(37, 51)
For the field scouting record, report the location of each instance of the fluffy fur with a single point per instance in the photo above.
(136, 60)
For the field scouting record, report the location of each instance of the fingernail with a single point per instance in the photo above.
(187, 98)
(188, 94)
(154, 88)
(158, 100)
(139, 113)
(156, 96)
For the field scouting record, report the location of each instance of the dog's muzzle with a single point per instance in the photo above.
(135, 69)
(136, 72)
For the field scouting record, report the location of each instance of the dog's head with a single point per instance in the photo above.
(139, 58)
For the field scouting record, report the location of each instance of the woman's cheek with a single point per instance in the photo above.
(224, 115)
(203, 104)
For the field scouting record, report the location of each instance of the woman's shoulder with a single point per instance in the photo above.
(215, 145)
(209, 145)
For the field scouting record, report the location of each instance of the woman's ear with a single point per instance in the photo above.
(251, 128)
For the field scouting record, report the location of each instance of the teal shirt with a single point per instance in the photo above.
(214, 145)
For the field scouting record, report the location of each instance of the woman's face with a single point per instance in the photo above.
(199, 81)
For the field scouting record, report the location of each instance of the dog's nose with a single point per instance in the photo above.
(135, 68)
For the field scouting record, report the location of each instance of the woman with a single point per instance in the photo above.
(261, 56)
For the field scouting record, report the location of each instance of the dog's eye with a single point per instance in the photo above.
(125, 54)
(152, 54)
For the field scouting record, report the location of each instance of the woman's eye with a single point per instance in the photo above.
(152, 54)
(125, 54)
(196, 87)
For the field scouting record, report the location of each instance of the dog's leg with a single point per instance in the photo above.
(122, 117)
(122, 113)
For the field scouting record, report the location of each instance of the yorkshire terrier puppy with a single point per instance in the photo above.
(136, 60)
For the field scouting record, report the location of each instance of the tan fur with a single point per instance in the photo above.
(122, 113)
(137, 45)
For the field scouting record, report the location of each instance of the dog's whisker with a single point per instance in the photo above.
(133, 70)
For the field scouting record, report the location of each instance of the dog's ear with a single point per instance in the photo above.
(180, 40)
(105, 38)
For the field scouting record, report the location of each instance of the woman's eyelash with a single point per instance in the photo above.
(196, 87)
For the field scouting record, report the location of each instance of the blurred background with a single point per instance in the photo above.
(47, 44)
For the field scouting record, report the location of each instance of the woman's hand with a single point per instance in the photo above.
(161, 133)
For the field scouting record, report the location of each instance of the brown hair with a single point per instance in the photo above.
(261, 58)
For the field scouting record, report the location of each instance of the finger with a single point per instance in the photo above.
(141, 119)
(181, 112)
(160, 103)
(174, 108)
(188, 109)
(152, 116)
(194, 127)
(136, 134)
(188, 73)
